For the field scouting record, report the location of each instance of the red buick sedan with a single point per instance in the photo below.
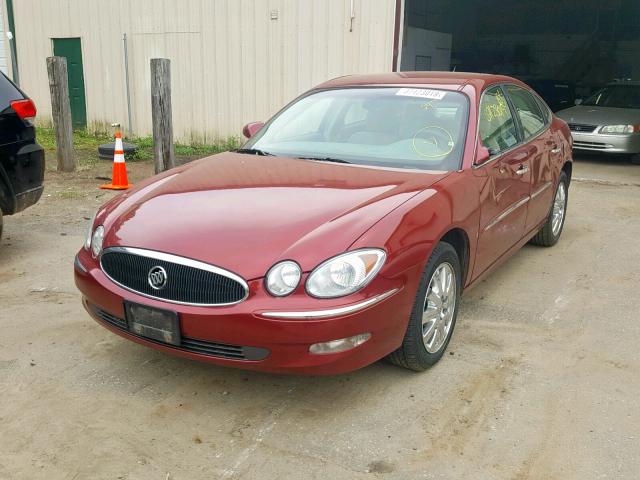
(344, 231)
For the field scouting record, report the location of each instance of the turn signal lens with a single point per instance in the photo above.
(283, 278)
(345, 274)
(87, 237)
(341, 345)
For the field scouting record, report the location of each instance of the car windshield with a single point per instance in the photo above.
(619, 96)
(418, 128)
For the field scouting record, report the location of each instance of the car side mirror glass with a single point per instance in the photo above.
(482, 155)
(250, 129)
(578, 101)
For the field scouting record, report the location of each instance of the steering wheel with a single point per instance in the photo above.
(433, 141)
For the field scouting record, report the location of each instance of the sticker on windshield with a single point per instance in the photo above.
(421, 93)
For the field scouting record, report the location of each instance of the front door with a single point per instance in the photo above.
(506, 188)
(71, 49)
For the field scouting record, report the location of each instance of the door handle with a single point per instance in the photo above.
(522, 169)
(555, 149)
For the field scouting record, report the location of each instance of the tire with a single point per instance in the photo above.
(0, 224)
(547, 236)
(414, 353)
(635, 159)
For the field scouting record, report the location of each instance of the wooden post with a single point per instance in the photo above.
(61, 111)
(161, 114)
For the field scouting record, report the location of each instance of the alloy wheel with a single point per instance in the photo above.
(439, 307)
(559, 206)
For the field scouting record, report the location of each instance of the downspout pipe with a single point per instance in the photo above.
(12, 42)
(397, 35)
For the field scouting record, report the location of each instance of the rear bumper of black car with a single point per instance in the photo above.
(21, 178)
(28, 198)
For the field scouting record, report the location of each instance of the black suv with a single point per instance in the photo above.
(21, 158)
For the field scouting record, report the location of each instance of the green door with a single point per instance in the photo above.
(72, 50)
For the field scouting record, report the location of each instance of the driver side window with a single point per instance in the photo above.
(497, 128)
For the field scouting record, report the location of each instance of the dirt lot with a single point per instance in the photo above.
(541, 381)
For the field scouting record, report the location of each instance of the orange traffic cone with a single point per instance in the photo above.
(119, 179)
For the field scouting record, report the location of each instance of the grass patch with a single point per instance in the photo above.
(71, 194)
(82, 140)
(86, 146)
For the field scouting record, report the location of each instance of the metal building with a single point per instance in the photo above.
(235, 61)
(232, 61)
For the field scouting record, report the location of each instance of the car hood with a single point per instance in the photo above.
(246, 212)
(600, 115)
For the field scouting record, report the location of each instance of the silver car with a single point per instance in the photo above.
(608, 121)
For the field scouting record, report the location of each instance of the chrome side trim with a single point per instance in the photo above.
(507, 212)
(188, 262)
(540, 190)
(332, 312)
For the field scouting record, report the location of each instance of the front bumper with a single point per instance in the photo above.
(247, 336)
(597, 142)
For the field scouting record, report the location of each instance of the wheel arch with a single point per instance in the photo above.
(459, 240)
(567, 168)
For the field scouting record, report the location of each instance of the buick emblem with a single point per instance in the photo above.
(157, 278)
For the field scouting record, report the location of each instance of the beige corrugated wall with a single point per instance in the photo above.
(231, 62)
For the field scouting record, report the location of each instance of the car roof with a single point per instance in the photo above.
(449, 80)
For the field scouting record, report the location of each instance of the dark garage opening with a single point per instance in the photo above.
(565, 50)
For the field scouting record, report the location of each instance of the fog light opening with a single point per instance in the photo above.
(340, 345)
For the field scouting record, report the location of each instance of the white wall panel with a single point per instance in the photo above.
(231, 63)
(4, 44)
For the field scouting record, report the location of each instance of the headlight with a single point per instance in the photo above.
(96, 241)
(620, 128)
(345, 274)
(283, 278)
(87, 237)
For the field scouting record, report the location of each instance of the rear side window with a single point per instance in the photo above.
(8, 92)
(528, 110)
(497, 128)
(544, 108)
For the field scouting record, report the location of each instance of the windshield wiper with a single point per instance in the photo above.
(254, 151)
(324, 159)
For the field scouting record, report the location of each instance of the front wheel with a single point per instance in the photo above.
(434, 311)
(550, 232)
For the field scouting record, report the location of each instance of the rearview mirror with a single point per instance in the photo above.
(578, 101)
(482, 155)
(250, 129)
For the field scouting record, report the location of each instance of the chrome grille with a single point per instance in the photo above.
(582, 128)
(188, 281)
(592, 145)
(203, 347)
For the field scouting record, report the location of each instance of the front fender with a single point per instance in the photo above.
(410, 232)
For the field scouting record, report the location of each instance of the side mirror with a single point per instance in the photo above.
(482, 155)
(250, 129)
(578, 101)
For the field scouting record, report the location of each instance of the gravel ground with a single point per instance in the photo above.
(541, 380)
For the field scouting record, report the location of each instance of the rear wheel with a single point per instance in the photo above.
(635, 159)
(434, 313)
(550, 232)
(0, 224)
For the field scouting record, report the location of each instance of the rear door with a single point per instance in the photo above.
(505, 192)
(541, 146)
